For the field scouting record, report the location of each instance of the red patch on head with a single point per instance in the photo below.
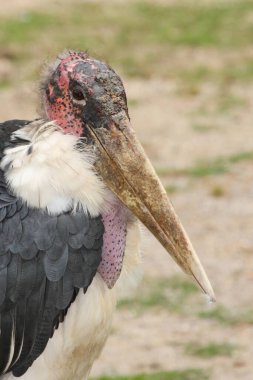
(58, 103)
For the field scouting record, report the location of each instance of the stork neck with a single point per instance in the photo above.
(115, 224)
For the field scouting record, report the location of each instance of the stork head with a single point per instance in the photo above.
(85, 97)
(83, 91)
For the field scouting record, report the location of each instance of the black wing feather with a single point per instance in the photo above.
(44, 261)
(7, 324)
(6, 130)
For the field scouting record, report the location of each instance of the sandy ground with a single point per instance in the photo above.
(220, 227)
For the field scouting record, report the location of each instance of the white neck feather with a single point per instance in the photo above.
(49, 171)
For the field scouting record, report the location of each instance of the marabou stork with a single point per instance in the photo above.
(73, 184)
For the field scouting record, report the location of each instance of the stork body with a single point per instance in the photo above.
(71, 186)
(40, 156)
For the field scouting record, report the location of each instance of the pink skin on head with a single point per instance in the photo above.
(61, 109)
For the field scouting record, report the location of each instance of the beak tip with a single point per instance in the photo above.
(210, 296)
(203, 282)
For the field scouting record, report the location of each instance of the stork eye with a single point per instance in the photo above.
(78, 95)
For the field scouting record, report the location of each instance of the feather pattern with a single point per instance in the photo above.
(44, 260)
(51, 238)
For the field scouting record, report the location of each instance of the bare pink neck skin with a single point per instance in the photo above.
(115, 223)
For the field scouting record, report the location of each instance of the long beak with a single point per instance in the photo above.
(127, 171)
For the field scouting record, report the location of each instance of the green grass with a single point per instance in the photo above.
(5, 83)
(166, 293)
(217, 166)
(217, 191)
(171, 189)
(198, 170)
(192, 24)
(223, 101)
(132, 102)
(228, 317)
(26, 29)
(177, 294)
(240, 71)
(227, 73)
(188, 374)
(203, 127)
(138, 38)
(226, 101)
(239, 157)
(210, 350)
(219, 314)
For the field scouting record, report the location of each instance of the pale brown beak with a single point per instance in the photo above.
(127, 171)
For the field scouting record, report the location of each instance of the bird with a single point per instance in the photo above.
(75, 185)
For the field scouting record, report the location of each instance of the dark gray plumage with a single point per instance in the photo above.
(44, 261)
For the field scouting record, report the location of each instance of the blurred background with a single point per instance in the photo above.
(188, 72)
